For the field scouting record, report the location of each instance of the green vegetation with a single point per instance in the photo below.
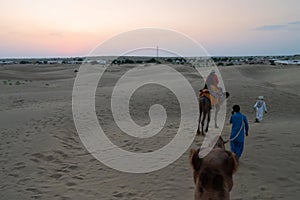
(24, 62)
(17, 82)
(152, 60)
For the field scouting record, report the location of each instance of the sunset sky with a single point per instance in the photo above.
(46, 28)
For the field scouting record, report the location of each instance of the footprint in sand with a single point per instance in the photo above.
(19, 165)
(32, 189)
(70, 184)
(78, 177)
(127, 195)
(56, 176)
(73, 167)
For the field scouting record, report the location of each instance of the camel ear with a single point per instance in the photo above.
(195, 160)
(232, 163)
(227, 95)
(220, 143)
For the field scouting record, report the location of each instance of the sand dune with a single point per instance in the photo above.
(42, 157)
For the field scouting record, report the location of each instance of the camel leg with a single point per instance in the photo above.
(202, 123)
(199, 121)
(216, 116)
(208, 120)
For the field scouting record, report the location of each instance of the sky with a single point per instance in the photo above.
(64, 28)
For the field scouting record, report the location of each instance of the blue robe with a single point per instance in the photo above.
(239, 126)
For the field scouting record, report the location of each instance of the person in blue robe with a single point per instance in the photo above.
(239, 129)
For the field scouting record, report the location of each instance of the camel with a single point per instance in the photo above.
(213, 173)
(205, 106)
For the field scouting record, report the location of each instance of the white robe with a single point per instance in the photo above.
(260, 107)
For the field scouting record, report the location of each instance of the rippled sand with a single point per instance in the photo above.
(41, 155)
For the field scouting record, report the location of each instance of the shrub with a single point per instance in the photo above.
(24, 62)
(170, 60)
(152, 60)
(116, 62)
(128, 61)
(139, 62)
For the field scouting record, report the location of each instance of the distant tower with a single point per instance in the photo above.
(156, 53)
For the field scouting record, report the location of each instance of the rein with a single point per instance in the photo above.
(242, 126)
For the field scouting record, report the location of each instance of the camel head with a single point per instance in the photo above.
(223, 97)
(213, 173)
(227, 94)
(220, 143)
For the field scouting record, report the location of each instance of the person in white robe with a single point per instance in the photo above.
(261, 108)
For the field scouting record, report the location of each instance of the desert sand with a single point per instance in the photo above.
(42, 157)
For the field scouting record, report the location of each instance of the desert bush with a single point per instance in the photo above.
(24, 62)
(170, 60)
(128, 61)
(139, 62)
(153, 60)
(116, 62)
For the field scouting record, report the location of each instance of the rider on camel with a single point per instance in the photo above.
(211, 80)
(211, 85)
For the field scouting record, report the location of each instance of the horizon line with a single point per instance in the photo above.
(192, 56)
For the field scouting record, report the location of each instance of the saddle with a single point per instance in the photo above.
(212, 95)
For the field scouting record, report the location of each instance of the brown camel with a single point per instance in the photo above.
(213, 173)
(204, 111)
